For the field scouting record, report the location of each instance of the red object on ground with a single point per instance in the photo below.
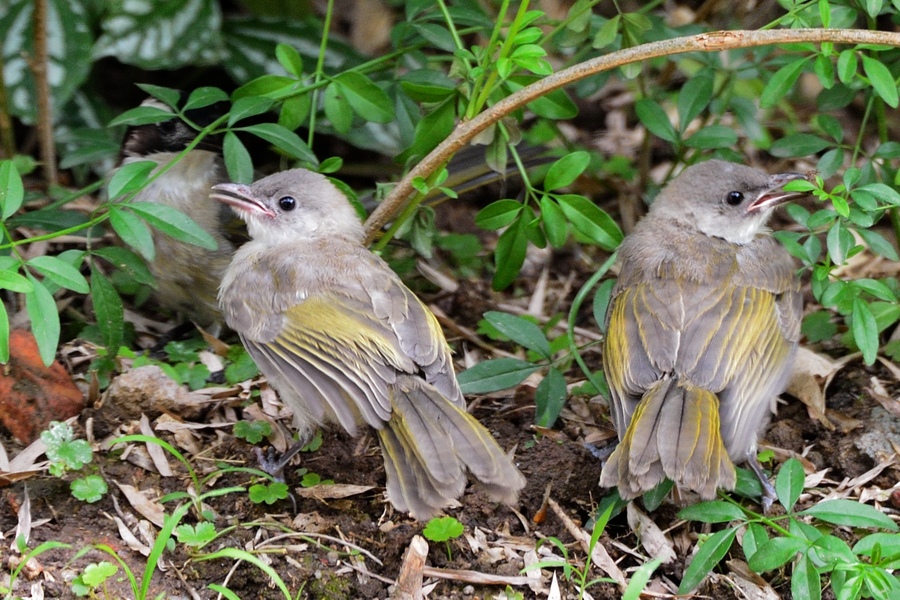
(31, 394)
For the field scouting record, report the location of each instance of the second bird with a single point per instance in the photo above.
(702, 329)
(341, 339)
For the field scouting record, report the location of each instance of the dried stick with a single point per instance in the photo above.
(705, 42)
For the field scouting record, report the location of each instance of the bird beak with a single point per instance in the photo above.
(774, 195)
(239, 197)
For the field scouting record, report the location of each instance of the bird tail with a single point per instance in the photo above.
(428, 445)
(674, 433)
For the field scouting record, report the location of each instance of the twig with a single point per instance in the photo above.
(476, 577)
(705, 42)
(409, 580)
(7, 135)
(42, 90)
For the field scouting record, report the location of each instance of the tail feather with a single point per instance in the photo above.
(674, 433)
(428, 445)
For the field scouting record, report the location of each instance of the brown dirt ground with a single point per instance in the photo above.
(319, 567)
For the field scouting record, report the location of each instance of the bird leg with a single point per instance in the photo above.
(273, 464)
(768, 491)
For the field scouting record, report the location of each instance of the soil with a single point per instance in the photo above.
(354, 547)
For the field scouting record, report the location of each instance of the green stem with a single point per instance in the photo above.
(320, 66)
(573, 314)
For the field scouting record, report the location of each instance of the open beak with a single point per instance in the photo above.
(239, 198)
(774, 195)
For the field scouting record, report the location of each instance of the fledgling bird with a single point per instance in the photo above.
(187, 276)
(341, 339)
(702, 329)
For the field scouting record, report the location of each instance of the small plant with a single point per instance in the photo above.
(861, 571)
(443, 529)
(252, 431)
(571, 572)
(93, 578)
(65, 454)
(269, 493)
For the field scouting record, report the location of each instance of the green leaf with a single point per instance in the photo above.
(805, 580)
(131, 177)
(290, 59)
(11, 280)
(707, 557)
(4, 334)
(509, 255)
(549, 398)
(881, 79)
(109, 311)
(847, 65)
(174, 223)
(367, 99)
(882, 192)
(521, 331)
(441, 529)
(168, 96)
(141, 115)
(798, 144)
(427, 85)
(606, 34)
(555, 224)
(174, 33)
(655, 119)
(499, 214)
(430, 131)
(789, 483)
(712, 137)
(132, 230)
(90, 488)
(203, 97)
(12, 192)
(337, 109)
(252, 431)
(715, 511)
(851, 513)
(270, 493)
(237, 159)
(781, 82)
(126, 261)
(70, 37)
(285, 140)
(566, 170)
(248, 106)
(496, 374)
(587, 218)
(44, 319)
(694, 96)
(775, 553)
(60, 272)
(754, 538)
(865, 330)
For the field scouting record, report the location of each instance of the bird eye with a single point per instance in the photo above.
(167, 127)
(287, 203)
(734, 198)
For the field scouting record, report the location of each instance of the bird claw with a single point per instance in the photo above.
(274, 463)
(769, 495)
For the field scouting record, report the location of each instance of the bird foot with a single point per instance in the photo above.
(274, 463)
(768, 491)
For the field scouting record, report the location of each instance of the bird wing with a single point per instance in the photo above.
(339, 346)
(732, 336)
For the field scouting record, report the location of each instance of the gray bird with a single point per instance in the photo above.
(702, 329)
(341, 339)
(187, 276)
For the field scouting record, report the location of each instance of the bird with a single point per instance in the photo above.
(701, 332)
(342, 340)
(187, 276)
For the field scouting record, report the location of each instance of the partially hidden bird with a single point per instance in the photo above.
(702, 328)
(341, 339)
(187, 276)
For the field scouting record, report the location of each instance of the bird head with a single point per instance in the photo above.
(143, 141)
(723, 199)
(291, 205)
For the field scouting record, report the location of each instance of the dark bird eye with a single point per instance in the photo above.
(167, 127)
(734, 198)
(287, 203)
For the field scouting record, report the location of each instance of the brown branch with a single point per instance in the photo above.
(705, 42)
(42, 91)
(7, 137)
